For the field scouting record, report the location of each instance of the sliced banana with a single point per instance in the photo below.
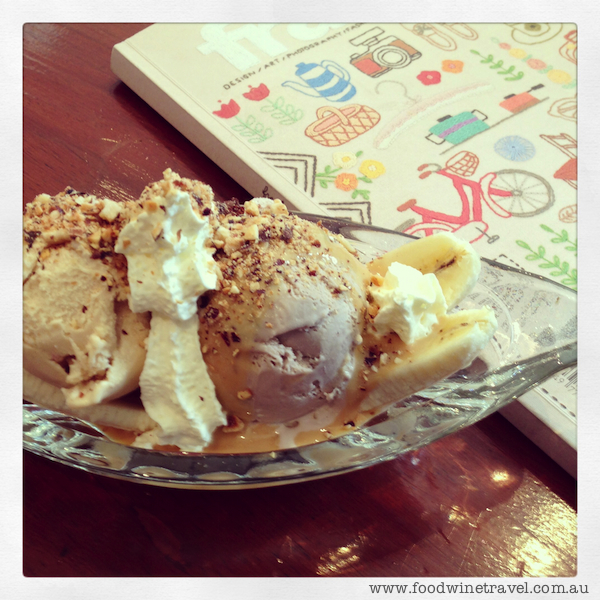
(117, 413)
(457, 338)
(453, 344)
(453, 261)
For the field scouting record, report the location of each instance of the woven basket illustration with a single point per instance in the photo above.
(464, 163)
(336, 126)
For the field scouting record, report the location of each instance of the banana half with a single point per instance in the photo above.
(118, 414)
(456, 340)
(453, 261)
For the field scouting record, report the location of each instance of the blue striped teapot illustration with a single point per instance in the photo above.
(323, 80)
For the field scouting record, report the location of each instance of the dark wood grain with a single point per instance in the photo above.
(482, 502)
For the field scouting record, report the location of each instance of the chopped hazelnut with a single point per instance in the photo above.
(89, 207)
(372, 309)
(251, 232)
(106, 234)
(278, 208)
(251, 208)
(376, 279)
(150, 206)
(94, 239)
(56, 236)
(111, 210)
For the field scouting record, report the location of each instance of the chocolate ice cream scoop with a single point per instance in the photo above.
(279, 338)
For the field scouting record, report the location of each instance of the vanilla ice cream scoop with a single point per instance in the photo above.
(279, 338)
(78, 332)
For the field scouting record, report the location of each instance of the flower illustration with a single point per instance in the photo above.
(517, 53)
(429, 77)
(257, 93)
(452, 66)
(504, 46)
(371, 168)
(344, 159)
(558, 76)
(536, 64)
(228, 110)
(515, 148)
(346, 182)
(343, 180)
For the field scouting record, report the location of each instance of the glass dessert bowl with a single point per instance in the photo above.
(535, 338)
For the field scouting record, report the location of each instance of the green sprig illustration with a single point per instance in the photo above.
(561, 238)
(252, 129)
(327, 175)
(500, 68)
(363, 193)
(560, 270)
(286, 114)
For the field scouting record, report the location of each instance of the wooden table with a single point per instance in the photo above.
(484, 502)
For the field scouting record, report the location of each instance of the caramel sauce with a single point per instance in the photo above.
(344, 416)
(122, 436)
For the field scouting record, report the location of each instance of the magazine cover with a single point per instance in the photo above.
(420, 128)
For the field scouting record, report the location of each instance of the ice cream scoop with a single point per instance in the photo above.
(78, 332)
(280, 336)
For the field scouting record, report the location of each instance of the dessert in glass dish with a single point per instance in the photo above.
(176, 326)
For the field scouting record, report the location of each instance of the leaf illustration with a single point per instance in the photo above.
(571, 280)
(555, 267)
(497, 65)
(252, 129)
(363, 193)
(516, 77)
(561, 238)
(285, 114)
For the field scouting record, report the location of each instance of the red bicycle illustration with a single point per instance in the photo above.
(507, 193)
